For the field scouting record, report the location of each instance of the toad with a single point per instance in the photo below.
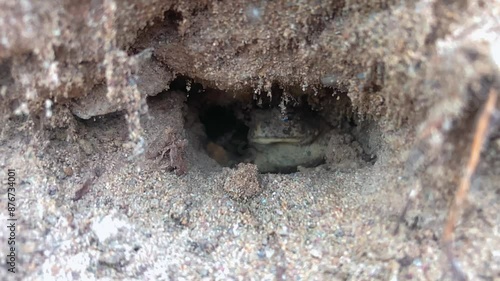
(281, 144)
(271, 127)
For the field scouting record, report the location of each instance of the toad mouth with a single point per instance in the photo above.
(262, 140)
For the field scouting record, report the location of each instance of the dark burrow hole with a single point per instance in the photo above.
(224, 129)
(282, 131)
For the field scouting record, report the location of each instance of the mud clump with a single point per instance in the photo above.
(243, 182)
(170, 143)
(344, 152)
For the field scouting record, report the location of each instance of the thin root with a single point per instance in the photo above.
(409, 201)
(480, 136)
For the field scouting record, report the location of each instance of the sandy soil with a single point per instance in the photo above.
(138, 221)
(101, 102)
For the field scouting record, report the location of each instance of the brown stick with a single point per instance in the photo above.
(463, 188)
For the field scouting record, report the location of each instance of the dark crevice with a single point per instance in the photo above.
(229, 124)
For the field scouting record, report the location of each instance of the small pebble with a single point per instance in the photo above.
(261, 254)
(269, 253)
(316, 253)
(68, 171)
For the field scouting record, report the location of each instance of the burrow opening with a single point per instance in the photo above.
(281, 131)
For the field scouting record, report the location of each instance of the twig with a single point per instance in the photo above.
(480, 136)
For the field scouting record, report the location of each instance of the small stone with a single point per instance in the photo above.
(68, 171)
(316, 253)
(269, 253)
(283, 231)
(203, 272)
(52, 190)
(261, 253)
